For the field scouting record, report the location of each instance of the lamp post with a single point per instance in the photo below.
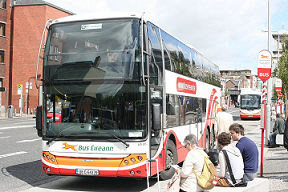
(269, 90)
(278, 48)
(269, 81)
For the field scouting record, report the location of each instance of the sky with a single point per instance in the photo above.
(228, 32)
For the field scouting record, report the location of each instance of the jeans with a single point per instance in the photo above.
(272, 138)
(249, 176)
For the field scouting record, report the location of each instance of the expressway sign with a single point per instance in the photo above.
(278, 86)
(264, 65)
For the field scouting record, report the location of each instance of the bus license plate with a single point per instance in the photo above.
(87, 171)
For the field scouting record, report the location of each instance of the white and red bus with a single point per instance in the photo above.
(129, 91)
(250, 103)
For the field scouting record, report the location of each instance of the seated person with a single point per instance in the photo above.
(279, 127)
(235, 159)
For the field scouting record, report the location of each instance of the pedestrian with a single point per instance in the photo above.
(248, 149)
(194, 160)
(223, 120)
(285, 138)
(279, 127)
(235, 159)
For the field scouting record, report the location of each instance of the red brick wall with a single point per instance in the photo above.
(5, 45)
(3, 40)
(29, 22)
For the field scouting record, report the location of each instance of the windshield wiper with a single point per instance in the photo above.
(77, 134)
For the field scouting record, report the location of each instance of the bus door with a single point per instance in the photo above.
(155, 86)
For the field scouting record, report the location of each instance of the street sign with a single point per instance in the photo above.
(19, 89)
(264, 65)
(2, 89)
(278, 86)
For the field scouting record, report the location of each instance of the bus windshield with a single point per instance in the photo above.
(92, 71)
(250, 102)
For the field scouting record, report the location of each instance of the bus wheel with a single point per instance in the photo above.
(171, 159)
(207, 140)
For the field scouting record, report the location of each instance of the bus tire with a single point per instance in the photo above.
(171, 158)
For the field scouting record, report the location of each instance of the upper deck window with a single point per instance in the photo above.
(111, 47)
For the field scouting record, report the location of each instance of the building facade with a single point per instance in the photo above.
(21, 27)
(234, 80)
(278, 37)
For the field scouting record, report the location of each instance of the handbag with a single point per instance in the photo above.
(242, 183)
(174, 184)
(223, 182)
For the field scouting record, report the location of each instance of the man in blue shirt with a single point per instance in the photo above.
(248, 150)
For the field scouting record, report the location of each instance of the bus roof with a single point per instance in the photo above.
(100, 15)
(120, 15)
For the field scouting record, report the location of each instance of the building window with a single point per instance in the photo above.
(56, 51)
(3, 4)
(2, 29)
(1, 56)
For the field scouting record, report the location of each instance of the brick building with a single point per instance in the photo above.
(21, 27)
(234, 80)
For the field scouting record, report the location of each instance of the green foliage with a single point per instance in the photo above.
(281, 70)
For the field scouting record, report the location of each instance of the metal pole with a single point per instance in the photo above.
(262, 144)
(269, 82)
(6, 103)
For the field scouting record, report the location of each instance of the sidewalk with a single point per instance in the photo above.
(275, 163)
(2, 116)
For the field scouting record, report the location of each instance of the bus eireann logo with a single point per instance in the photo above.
(264, 56)
(67, 146)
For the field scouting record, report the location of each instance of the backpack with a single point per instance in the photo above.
(208, 178)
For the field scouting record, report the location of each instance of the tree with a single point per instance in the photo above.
(281, 70)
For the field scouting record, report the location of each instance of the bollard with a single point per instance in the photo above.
(10, 111)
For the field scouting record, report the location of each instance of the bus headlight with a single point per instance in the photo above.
(49, 157)
(133, 159)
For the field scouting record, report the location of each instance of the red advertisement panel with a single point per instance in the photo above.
(186, 86)
(278, 89)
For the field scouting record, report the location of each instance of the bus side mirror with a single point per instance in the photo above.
(156, 118)
(39, 120)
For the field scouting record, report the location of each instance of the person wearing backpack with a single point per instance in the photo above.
(194, 160)
(229, 155)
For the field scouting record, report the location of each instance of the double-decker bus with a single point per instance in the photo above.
(250, 103)
(129, 92)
